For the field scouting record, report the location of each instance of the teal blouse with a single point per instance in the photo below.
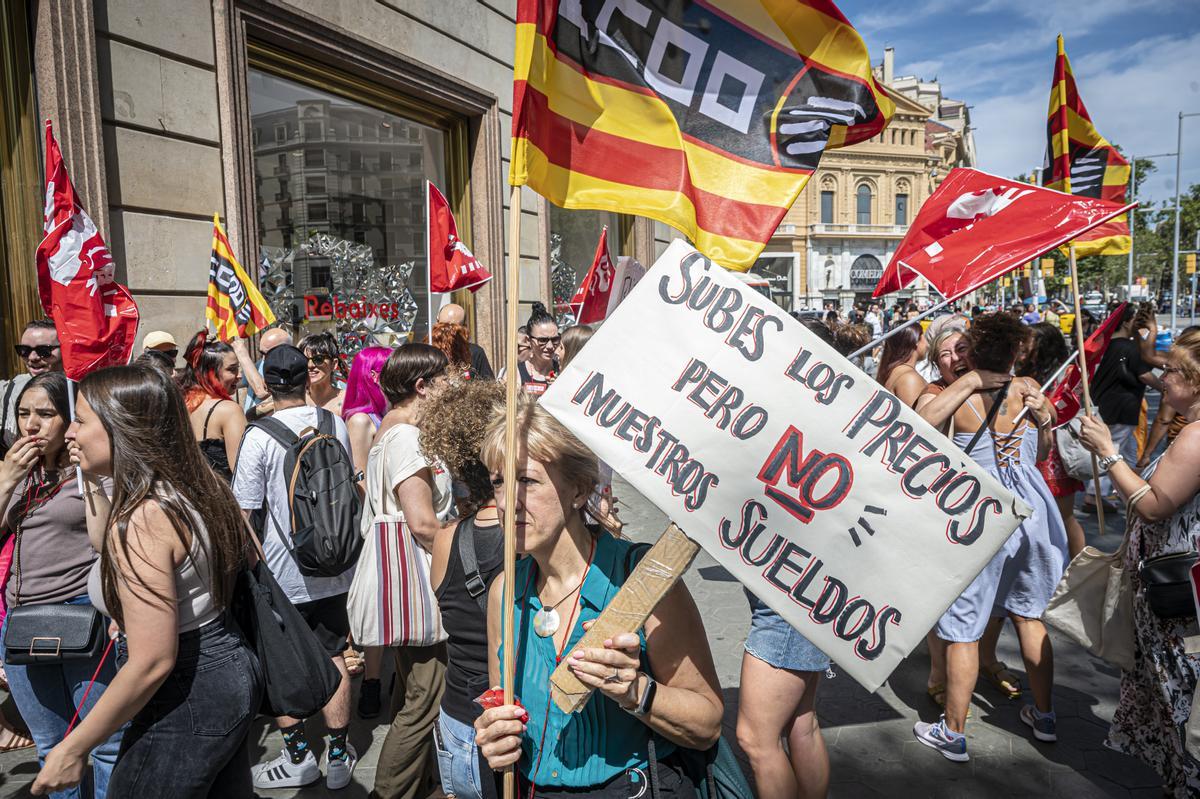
(600, 741)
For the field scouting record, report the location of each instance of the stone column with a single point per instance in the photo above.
(64, 57)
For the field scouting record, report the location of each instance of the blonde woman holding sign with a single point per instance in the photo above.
(656, 691)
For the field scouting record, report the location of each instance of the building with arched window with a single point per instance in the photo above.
(845, 226)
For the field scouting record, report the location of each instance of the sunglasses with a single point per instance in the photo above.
(542, 341)
(318, 360)
(172, 354)
(43, 350)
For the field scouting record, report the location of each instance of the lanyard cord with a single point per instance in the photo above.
(557, 657)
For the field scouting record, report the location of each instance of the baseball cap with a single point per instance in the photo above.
(285, 366)
(156, 338)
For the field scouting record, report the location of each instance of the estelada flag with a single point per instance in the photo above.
(96, 318)
(1081, 161)
(452, 266)
(235, 306)
(1065, 396)
(590, 303)
(976, 227)
(709, 116)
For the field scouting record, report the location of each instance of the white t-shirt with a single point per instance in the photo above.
(259, 472)
(396, 457)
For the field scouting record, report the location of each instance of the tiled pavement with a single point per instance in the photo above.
(869, 737)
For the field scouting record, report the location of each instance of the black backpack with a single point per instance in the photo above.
(322, 497)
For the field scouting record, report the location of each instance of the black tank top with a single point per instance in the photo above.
(531, 384)
(214, 448)
(465, 621)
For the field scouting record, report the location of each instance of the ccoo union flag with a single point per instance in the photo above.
(235, 306)
(1081, 161)
(707, 115)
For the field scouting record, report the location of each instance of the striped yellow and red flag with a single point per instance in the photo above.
(1081, 161)
(709, 115)
(235, 306)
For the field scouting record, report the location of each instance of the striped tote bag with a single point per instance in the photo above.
(391, 601)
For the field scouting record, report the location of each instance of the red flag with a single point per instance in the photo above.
(451, 264)
(590, 303)
(977, 226)
(1065, 396)
(95, 316)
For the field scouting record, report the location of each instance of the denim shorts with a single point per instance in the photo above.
(776, 643)
(457, 757)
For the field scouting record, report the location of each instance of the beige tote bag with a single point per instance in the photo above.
(1093, 603)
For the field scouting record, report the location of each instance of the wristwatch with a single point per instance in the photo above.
(1107, 462)
(647, 700)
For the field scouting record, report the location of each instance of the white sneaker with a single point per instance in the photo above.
(283, 773)
(339, 771)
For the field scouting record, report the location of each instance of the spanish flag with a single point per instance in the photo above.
(1081, 161)
(235, 306)
(707, 115)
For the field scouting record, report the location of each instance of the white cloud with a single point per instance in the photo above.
(1133, 99)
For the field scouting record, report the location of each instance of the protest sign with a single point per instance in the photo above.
(837, 504)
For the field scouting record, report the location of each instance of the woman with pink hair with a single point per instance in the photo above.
(363, 406)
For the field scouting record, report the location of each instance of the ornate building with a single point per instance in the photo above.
(845, 226)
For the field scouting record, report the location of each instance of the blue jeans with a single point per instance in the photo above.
(458, 758)
(189, 740)
(47, 695)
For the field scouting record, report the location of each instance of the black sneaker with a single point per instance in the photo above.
(369, 702)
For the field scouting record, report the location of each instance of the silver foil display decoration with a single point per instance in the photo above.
(562, 284)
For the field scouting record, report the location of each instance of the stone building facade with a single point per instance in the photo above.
(835, 241)
(309, 126)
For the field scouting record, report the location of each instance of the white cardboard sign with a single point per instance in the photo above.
(837, 505)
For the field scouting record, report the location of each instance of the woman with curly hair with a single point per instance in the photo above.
(465, 559)
(1021, 577)
(208, 382)
(325, 367)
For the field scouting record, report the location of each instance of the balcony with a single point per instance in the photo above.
(876, 231)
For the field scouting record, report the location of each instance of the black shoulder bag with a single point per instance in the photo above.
(51, 633)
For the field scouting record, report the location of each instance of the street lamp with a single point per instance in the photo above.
(1132, 197)
(1178, 192)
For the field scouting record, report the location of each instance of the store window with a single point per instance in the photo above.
(347, 254)
(863, 199)
(573, 239)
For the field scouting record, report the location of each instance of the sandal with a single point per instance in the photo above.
(1002, 679)
(13, 741)
(937, 693)
(355, 662)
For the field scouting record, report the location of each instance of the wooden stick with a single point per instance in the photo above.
(1087, 389)
(661, 568)
(513, 300)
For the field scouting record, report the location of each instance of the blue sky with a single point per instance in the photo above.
(1137, 64)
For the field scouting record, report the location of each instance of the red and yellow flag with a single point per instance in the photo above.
(235, 306)
(709, 116)
(1081, 161)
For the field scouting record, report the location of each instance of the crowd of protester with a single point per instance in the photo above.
(189, 462)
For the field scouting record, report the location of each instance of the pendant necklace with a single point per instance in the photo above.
(546, 621)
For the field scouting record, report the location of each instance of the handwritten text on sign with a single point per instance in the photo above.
(825, 495)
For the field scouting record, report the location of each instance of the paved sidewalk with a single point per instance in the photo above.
(869, 736)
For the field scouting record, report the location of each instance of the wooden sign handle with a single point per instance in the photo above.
(660, 569)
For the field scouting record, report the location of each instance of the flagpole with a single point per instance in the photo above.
(1062, 367)
(513, 297)
(428, 265)
(1087, 389)
(895, 330)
